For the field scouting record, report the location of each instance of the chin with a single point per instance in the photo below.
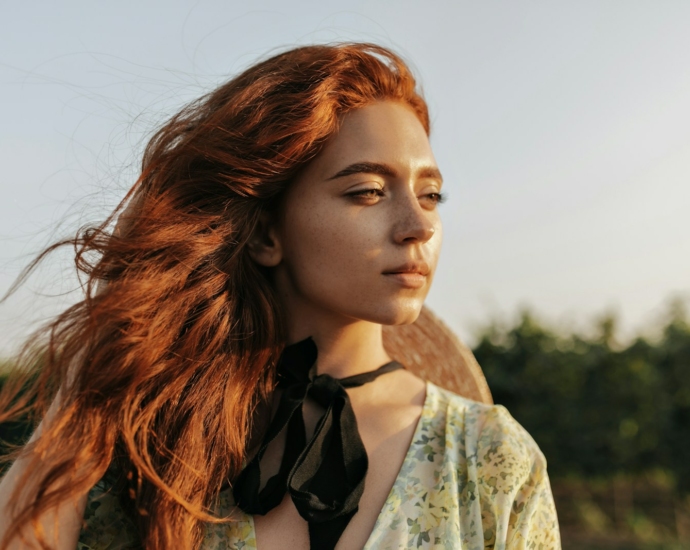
(399, 312)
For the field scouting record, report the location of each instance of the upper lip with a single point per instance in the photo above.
(412, 266)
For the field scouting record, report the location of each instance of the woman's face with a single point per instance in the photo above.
(364, 209)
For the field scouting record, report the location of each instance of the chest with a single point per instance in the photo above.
(387, 439)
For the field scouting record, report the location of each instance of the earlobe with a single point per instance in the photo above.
(264, 246)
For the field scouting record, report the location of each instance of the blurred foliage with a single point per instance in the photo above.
(596, 409)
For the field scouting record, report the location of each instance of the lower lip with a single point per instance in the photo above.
(409, 280)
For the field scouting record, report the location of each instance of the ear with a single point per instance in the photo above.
(264, 246)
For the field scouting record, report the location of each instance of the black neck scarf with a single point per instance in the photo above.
(325, 475)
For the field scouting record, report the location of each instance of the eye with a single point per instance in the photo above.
(367, 193)
(437, 197)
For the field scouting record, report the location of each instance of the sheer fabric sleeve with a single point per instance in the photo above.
(518, 510)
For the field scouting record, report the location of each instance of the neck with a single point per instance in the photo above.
(346, 347)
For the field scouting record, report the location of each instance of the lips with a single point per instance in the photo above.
(411, 274)
(412, 266)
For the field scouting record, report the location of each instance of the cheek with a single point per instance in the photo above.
(435, 244)
(332, 253)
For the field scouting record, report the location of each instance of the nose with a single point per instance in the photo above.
(413, 223)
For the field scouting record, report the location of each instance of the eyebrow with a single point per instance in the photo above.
(382, 169)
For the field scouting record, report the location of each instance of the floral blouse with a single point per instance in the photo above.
(473, 478)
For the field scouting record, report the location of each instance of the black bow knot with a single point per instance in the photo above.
(325, 475)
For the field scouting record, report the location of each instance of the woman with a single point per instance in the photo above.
(227, 386)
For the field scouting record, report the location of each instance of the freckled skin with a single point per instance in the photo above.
(336, 247)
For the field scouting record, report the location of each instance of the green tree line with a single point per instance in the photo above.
(596, 409)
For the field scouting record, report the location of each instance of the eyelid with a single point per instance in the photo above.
(370, 186)
(370, 181)
(365, 190)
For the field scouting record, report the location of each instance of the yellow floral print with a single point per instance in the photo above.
(473, 479)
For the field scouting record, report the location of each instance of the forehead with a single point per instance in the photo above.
(384, 132)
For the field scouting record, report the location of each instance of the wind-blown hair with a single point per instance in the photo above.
(161, 369)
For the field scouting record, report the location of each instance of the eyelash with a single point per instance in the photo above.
(440, 197)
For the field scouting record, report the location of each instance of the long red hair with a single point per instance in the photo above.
(163, 368)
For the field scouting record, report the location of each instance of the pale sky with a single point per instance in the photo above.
(562, 130)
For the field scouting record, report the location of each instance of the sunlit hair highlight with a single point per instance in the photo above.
(161, 367)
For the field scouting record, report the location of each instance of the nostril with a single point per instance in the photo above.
(421, 234)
